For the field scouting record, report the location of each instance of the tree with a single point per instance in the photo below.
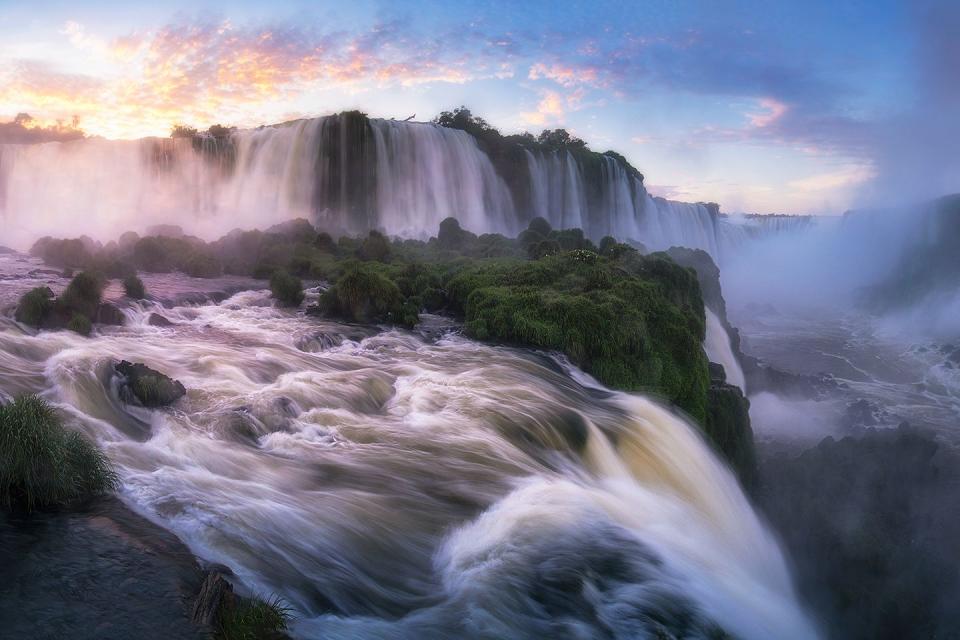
(183, 131)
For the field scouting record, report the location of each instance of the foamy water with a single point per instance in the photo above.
(390, 485)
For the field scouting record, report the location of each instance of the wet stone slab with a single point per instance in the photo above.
(100, 572)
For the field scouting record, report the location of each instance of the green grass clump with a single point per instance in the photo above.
(252, 619)
(80, 323)
(44, 464)
(34, 306)
(133, 288)
(82, 296)
(365, 294)
(286, 289)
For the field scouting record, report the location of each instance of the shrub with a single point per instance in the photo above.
(375, 247)
(202, 265)
(82, 295)
(364, 294)
(80, 323)
(252, 619)
(133, 288)
(44, 464)
(286, 289)
(34, 306)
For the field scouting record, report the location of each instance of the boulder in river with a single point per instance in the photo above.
(147, 387)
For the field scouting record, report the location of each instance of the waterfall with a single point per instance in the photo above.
(392, 487)
(346, 173)
(720, 350)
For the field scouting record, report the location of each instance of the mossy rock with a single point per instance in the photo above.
(147, 387)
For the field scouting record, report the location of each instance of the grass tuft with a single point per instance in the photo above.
(42, 463)
(253, 619)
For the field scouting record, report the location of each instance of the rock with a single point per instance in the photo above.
(146, 387)
(215, 594)
(108, 313)
(717, 373)
(728, 426)
(157, 320)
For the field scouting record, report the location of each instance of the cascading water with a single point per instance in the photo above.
(347, 174)
(720, 350)
(387, 486)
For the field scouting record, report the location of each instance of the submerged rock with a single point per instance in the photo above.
(108, 313)
(157, 320)
(146, 387)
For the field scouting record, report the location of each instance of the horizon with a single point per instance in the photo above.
(739, 107)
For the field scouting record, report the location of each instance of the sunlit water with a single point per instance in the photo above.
(397, 484)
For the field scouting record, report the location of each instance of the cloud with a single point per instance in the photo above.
(212, 71)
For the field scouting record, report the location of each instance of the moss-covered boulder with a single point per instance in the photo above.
(133, 288)
(635, 331)
(728, 426)
(34, 306)
(42, 463)
(143, 386)
(366, 294)
(286, 289)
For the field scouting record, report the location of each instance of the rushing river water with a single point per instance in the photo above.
(417, 484)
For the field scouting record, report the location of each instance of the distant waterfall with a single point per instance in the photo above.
(346, 173)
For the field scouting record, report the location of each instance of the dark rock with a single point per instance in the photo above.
(157, 320)
(717, 373)
(146, 387)
(94, 572)
(215, 594)
(728, 426)
(108, 313)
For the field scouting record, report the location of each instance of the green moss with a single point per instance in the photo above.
(365, 294)
(44, 464)
(286, 289)
(81, 324)
(133, 288)
(34, 306)
(252, 619)
(630, 332)
(81, 297)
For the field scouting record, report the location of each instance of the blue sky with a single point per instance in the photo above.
(761, 106)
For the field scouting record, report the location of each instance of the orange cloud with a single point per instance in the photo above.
(566, 76)
(218, 72)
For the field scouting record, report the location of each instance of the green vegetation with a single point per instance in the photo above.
(44, 464)
(252, 619)
(286, 289)
(34, 306)
(81, 324)
(75, 309)
(133, 288)
(148, 387)
(82, 296)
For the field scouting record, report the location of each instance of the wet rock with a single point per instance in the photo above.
(157, 320)
(215, 594)
(95, 572)
(108, 313)
(728, 426)
(718, 374)
(148, 388)
(320, 341)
